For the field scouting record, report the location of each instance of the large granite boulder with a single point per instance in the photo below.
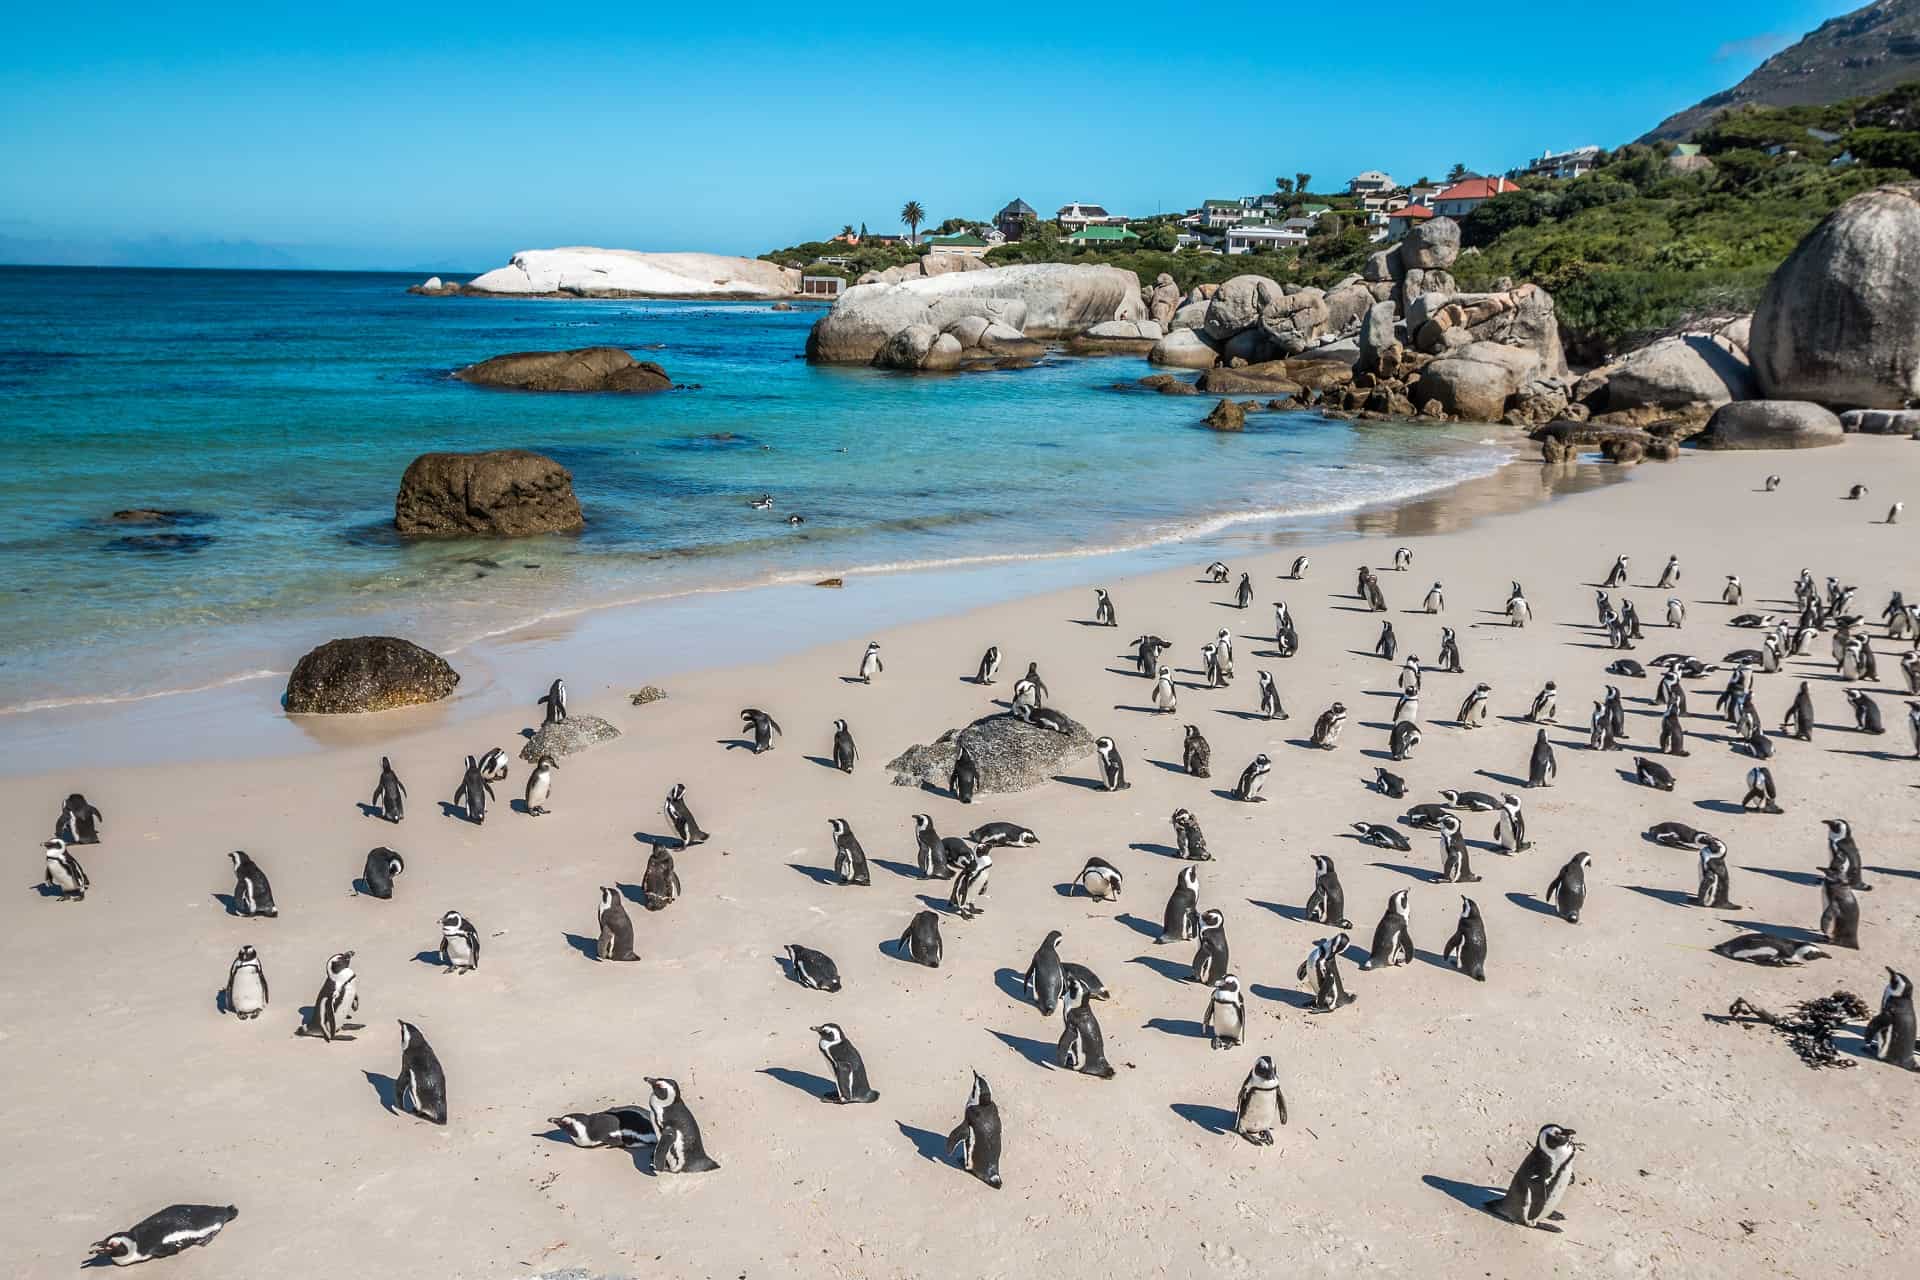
(1190, 315)
(367, 673)
(1839, 322)
(1347, 305)
(1238, 304)
(505, 493)
(1881, 422)
(1686, 375)
(1772, 424)
(1184, 349)
(1226, 416)
(1043, 301)
(584, 369)
(586, 272)
(1432, 244)
(1163, 301)
(1012, 755)
(565, 737)
(1293, 320)
(1475, 381)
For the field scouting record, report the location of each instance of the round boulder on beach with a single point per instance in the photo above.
(367, 673)
(504, 493)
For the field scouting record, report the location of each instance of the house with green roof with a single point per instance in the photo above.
(1218, 215)
(1112, 237)
(965, 244)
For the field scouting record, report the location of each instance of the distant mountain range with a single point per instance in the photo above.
(1867, 51)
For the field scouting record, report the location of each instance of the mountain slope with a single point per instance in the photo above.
(1867, 51)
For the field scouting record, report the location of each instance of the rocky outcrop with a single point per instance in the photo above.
(1881, 422)
(1163, 301)
(1011, 754)
(565, 737)
(507, 493)
(1226, 416)
(367, 673)
(582, 272)
(584, 369)
(1839, 323)
(1038, 302)
(1772, 424)
(1184, 349)
(1685, 376)
(1476, 380)
(1430, 245)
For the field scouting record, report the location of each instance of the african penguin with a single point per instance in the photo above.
(1261, 1106)
(1100, 879)
(678, 1148)
(977, 1136)
(989, 665)
(1320, 971)
(762, 726)
(1568, 892)
(161, 1235)
(64, 875)
(1327, 904)
(849, 858)
(1225, 1020)
(1392, 943)
(1326, 730)
(1188, 839)
(812, 969)
(1103, 609)
(555, 701)
(870, 665)
(339, 1000)
(246, 993)
(1435, 602)
(1769, 949)
(844, 752)
(921, 943)
(970, 882)
(1197, 757)
(1210, 958)
(420, 1086)
(1081, 1047)
(616, 927)
(1890, 1034)
(1045, 978)
(1467, 948)
(1253, 779)
(252, 895)
(1113, 771)
(1180, 922)
(660, 882)
(389, 793)
(382, 865)
(1541, 1181)
(679, 815)
(849, 1069)
(540, 786)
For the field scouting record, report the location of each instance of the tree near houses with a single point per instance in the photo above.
(1283, 185)
(912, 215)
(1456, 173)
(1301, 182)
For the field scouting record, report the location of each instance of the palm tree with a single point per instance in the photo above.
(1456, 173)
(846, 232)
(912, 215)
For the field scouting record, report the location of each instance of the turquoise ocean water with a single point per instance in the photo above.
(277, 411)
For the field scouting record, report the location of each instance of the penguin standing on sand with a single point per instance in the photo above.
(540, 786)
(1320, 971)
(1449, 659)
(1474, 711)
(459, 943)
(1715, 879)
(1467, 948)
(1893, 512)
(1253, 779)
(1410, 676)
(680, 816)
(870, 665)
(678, 1149)
(1890, 1035)
(1519, 612)
(977, 1136)
(1402, 559)
(844, 752)
(1388, 644)
(929, 849)
(1455, 865)
(1600, 729)
(246, 993)
(1840, 912)
(1180, 922)
(1669, 576)
(1210, 957)
(1270, 707)
(1616, 714)
(1286, 639)
(1799, 718)
(420, 1086)
(1673, 732)
(63, 873)
(1243, 594)
(1546, 704)
(1103, 609)
(922, 943)
(764, 727)
(79, 822)
(1197, 757)
(989, 665)
(616, 927)
(1732, 592)
(1866, 712)
(1045, 978)
(964, 780)
(1403, 738)
(1392, 943)
(971, 875)
(660, 882)
(1146, 654)
(1436, 601)
(1188, 838)
(1261, 1107)
(1913, 725)
(339, 1000)
(493, 765)
(1300, 566)
(1326, 730)
(1617, 576)
(1568, 892)
(1217, 572)
(473, 793)
(849, 859)
(1165, 699)
(389, 793)
(849, 1069)
(172, 1230)
(252, 895)
(1100, 879)
(1113, 770)
(1510, 828)
(1534, 1195)
(1761, 793)
(1843, 854)
(1081, 1047)
(1327, 904)
(1225, 1020)
(555, 701)
(382, 866)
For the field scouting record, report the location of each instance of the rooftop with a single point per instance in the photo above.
(1414, 212)
(964, 239)
(1103, 233)
(1016, 208)
(1476, 189)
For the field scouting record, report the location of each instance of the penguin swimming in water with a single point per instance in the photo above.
(1715, 879)
(174, 1229)
(79, 822)
(1253, 779)
(989, 665)
(1225, 1021)
(679, 815)
(616, 927)
(63, 873)
(1103, 615)
(1761, 795)
(1320, 971)
(762, 726)
(1210, 958)
(870, 665)
(849, 859)
(1455, 864)
(555, 701)
(1381, 836)
(1326, 730)
(1261, 1106)
(1890, 1034)
(977, 1136)
(1165, 699)
(1474, 711)
(540, 786)
(246, 993)
(252, 895)
(1270, 707)
(459, 943)
(339, 1000)
(493, 765)
(1045, 978)
(1651, 773)
(389, 793)
(1769, 949)
(1840, 912)
(1180, 922)
(849, 1069)
(1113, 771)
(1541, 1181)
(1197, 757)
(1188, 838)
(970, 882)
(921, 943)
(1392, 943)
(964, 780)
(678, 1148)
(660, 882)
(1568, 892)
(420, 1086)
(473, 793)
(1388, 644)
(844, 752)
(1081, 1047)
(814, 970)
(1100, 879)
(1327, 904)
(1404, 737)
(1467, 948)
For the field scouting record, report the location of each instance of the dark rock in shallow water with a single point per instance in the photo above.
(508, 493)
(162, 543)
(564, 737)
(367, 673)
(1012, 754)
(585, 369)
(158, 515)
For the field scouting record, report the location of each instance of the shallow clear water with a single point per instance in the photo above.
(281, 409)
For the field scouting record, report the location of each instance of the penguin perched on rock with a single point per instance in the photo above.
(1568, 892)
(555, 701)
(977, 1136)
(389, 793)
(1541, 1181)
(964, 780)
(1327, 904)
(1392, 942)
(1261, 1106)
(1467, 948)
(850, 1083)
(174, 1229)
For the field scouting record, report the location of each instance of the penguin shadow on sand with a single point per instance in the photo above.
(825, 762)
(1187, 1028)
(1180, 971)
(1719, 806)
(1243, 715)
(733, 743)
(1871, 753)
(1791, 877)
(228, 903)
(1145, 928)
(819, 875)
(372, 811)
(1013, 985)
(1281, 995)
(1528, 902)
(448, 809)
(905, 869)
(588, 947)
(1164, 850)
(1793, 932)
(1284, 911)
(1474, 1195)
(1039, 1052)
(388, 1090)
(1672, 897)
(430, 958)
(1089, 784)
(1170, 766)
(804, 1081)
(936, 904)
(652, 841)
(1903, 872)
(931, 1146)
(1425, 875)
(1217, 1120)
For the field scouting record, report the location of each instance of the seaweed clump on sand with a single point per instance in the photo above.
(1809, 1028)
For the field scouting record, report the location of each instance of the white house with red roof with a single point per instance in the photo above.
(1463, 197)
(1403, 220)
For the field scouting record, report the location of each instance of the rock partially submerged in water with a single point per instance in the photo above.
(1012, 754)
(582, 369)
(367, 673)
(565, 737)
(507, 493)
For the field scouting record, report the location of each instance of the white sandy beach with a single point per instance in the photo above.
(1711, 1150)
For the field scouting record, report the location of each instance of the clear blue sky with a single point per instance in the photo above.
(416, 135)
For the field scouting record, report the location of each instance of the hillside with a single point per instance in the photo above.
(1864, 52)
